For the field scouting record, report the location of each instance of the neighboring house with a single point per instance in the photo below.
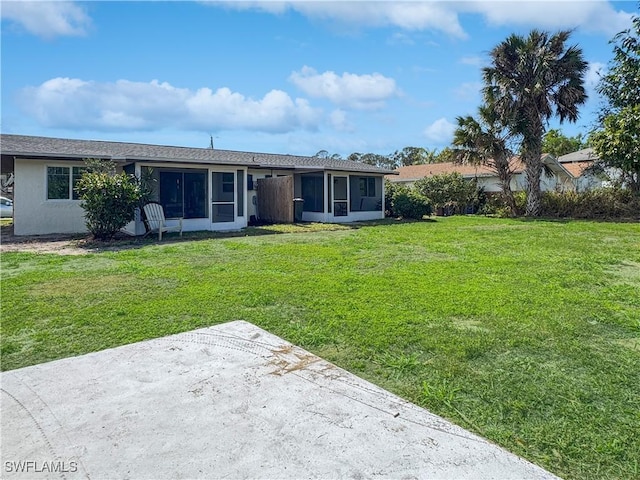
(577, 163)
(558, 179)
(211, 189)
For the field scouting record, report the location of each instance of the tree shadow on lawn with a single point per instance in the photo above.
(84, 243)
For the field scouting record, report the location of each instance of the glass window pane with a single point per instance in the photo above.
(195, 195)
(58, 183)
(371, 192)
(171, 194)
(223, 213)
(241, 193)
(363, 186)
(77, 173)
(222, 186)
(340, 209)
(329, 202)
(340, 188)
(312, 193)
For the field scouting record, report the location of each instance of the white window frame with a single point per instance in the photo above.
(69, 197)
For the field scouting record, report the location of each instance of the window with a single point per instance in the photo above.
(62, 181)
(222, 193)
(313, 192)
(367, 186)
(366, 193)
(184, 193)
(240, 175)
(340, 196)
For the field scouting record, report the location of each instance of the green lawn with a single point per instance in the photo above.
(526, 332)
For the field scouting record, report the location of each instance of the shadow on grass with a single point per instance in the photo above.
(124, 241)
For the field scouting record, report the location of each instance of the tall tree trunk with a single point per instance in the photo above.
(534, 195)
(532, 158)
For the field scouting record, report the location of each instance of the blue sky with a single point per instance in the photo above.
(282, 77)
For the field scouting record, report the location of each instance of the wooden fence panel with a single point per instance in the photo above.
(275, 199)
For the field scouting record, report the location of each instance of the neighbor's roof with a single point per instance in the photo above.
(577, 168)
(416, 172)
(46, 147)
(579, 156)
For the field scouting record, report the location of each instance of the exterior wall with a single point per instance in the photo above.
(491, 184)
(556, 183)
(33, 214)
(588, 182)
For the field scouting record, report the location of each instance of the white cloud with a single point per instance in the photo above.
(349, 90)
(597, 16)
(592, 76)
(440, 132)
(125, 105)
(407, 15)
(47, 19)
(339, 121)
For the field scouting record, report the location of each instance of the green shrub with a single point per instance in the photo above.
(451, 192)
(495, 204)
(391, 189)
(409, 203)
(600, 203)
(109, 200)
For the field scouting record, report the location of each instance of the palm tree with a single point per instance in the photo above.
(486, 142)
(532, 79)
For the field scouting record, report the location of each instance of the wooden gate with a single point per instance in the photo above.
(275, 199)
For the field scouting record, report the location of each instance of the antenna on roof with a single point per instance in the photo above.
(211, 137)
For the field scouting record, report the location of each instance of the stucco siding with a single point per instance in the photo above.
(33, 213)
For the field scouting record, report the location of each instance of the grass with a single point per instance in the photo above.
(526, 332)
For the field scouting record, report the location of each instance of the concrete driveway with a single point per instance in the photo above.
(230, 401)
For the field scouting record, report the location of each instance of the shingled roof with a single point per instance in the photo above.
(45, 147)
(415, 172)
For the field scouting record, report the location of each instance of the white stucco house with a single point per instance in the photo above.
(210, 189)
(578, 163)
(557, 178)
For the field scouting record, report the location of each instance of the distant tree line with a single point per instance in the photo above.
(400, 158)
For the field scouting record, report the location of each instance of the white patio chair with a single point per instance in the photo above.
(156, 220)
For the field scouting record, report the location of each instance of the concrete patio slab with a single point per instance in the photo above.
(230, 401)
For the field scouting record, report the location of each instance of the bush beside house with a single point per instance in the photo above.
(108, 198)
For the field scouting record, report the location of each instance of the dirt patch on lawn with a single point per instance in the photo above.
(59, 244)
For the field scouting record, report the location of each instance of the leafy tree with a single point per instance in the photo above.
(485, 141)
(530, 80)
(617, 143)
(326, 155)
(109, 199)
(444, 155)
(557, 144)
(410, 156)
(375, 159)
(448, 190)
